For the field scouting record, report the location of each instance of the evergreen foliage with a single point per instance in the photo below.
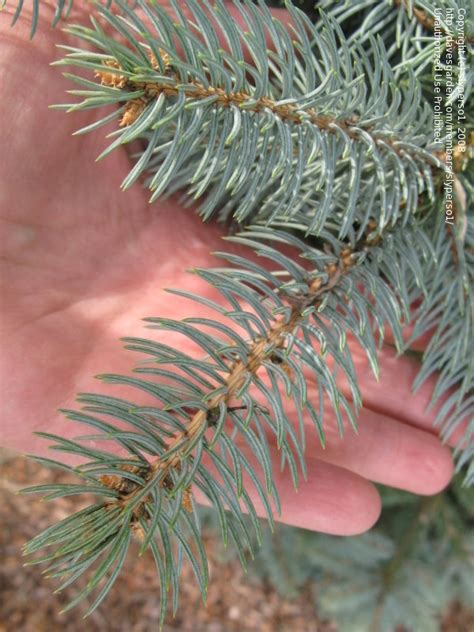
(314, 122)
(405, 572)
(317, 143)
(415, 38)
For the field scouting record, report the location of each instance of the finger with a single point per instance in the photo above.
(393, 394)
(418, 344)
(332, 500)
(383, 449)
(387, 451)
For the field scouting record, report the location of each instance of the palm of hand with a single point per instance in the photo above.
(82, 262)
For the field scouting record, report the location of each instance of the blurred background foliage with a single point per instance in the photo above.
(405, 572)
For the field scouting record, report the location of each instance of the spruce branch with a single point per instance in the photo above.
(409, 27)
(315, 143)
(291, 131)
(425, 15)
(292, 319)
(448, 310)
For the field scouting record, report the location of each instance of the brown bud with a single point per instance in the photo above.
(119, 483)
(187, 502)
(315, 285)
(111, 79)
(137, 531)
(132, 111)
(331, 269)
(165, 58)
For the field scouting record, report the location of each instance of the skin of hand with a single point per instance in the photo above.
(83, 262)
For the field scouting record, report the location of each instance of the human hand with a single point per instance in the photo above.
(82, 262)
